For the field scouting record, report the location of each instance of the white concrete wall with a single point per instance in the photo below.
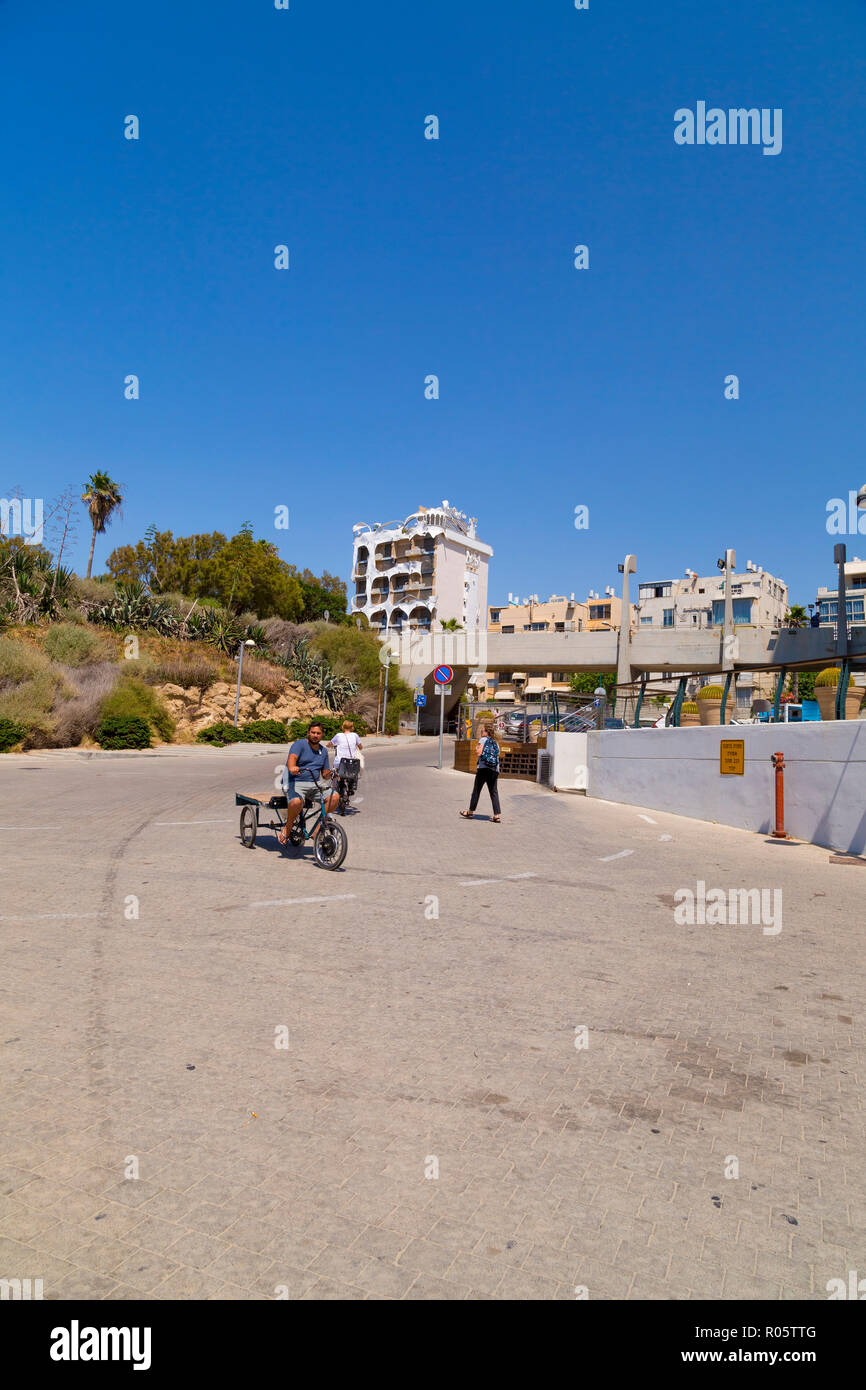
(569, 753)
(678, 770)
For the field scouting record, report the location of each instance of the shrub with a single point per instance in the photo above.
(265, 731)
(133, 699)
(218, 735)
(72, 644)
(830, 676)
(19, 661)
(10, 734)
(123, 731)
(711, 692)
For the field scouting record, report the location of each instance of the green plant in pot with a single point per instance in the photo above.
(689, 714)
(709, 702)
(826, 685)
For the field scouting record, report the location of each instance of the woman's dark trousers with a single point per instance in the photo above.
(486, 776)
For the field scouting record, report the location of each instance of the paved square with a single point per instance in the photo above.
(384, 1092)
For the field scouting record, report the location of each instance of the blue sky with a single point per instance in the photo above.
(558, 387)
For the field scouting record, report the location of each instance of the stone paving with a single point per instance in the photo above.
(433, 1128)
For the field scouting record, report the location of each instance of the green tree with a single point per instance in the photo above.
(102, 498)
(584, 683)
(796, 616)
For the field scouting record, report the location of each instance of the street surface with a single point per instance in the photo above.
(551, 1089)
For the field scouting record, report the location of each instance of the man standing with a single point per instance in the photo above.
(306, 770)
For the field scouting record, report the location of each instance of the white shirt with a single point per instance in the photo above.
(345, 745)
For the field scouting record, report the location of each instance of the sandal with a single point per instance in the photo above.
(468, 815)
(496, 819)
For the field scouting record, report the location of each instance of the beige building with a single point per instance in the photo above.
(598, 612)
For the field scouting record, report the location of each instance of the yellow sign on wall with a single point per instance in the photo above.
(732, 757)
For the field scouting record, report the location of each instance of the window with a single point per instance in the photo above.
(494, 615)
(559, 627)
(535, 627)
(654, 591)
(558, 676)
(504, 676)
(646, 622)
(599, 612)
(508, 629)
(667, 617)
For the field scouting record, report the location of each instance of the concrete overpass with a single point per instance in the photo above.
(630, 654)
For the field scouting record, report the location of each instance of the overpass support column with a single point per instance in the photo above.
(722, 719)
(780, 686)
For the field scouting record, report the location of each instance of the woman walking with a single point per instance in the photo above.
(486, 773)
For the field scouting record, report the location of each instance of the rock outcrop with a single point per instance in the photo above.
(193, 709)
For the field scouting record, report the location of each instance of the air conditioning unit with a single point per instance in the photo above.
(569, 626)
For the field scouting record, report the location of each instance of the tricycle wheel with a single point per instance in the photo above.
(331, 845)
(248, 827)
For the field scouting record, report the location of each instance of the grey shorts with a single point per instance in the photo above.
(303, 789)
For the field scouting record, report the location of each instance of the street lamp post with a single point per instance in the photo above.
(240, 660)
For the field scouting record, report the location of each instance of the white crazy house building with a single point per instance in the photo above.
(413, 575)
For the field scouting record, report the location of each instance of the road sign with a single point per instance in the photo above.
(732, 757)
(442, 690)
(443, 675)
(420, 699)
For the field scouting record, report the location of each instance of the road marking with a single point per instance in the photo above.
(224, 821)
(622, 854)
(44, 916)
(666, 837)
(289, 902)
(509, 878)
(649, 820)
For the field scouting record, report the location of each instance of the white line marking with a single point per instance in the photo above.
(622, 854)
(44, 916)
(510, 878)
(666, 837)
(29, 827)
(649, 820)
(288, 902)
(224, 821)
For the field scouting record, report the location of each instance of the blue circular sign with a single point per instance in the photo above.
(443, 675)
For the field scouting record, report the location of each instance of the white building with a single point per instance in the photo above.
(420, 572)
(698, 601)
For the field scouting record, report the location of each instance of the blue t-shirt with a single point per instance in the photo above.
(311, 761)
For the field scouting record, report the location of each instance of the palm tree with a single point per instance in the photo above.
(450, 625)
(102, 496)
(796, 618)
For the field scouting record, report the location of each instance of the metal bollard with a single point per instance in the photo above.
(778, 761)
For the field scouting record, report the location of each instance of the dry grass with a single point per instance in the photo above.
(261, 676)
(77, 717)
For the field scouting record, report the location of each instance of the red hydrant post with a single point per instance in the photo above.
(778, 761)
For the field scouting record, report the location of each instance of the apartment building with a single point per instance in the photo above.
(698, 601)
(415, 573)
(827, 600)
(555, 614)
